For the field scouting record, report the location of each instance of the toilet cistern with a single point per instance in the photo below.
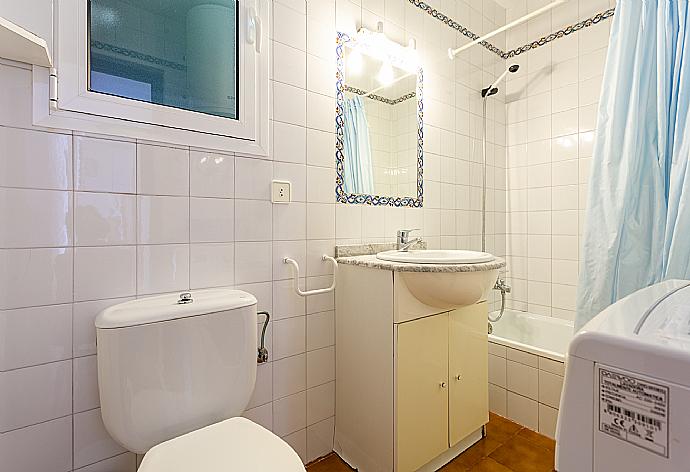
(403, 240)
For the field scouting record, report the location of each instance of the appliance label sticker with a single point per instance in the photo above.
(634, 410)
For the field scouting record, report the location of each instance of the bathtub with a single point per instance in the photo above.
(526, 368)
(543, 336)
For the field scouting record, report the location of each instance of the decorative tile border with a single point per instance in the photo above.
(517, 51)
(601, 16)
(455, 25)
(379, 98)
(366, 199)
(137, 55)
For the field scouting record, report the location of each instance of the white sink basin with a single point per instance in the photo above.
(447, 287)
(433, 256)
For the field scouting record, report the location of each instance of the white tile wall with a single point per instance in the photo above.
(99, 220)
(525, 387)
(551, 109)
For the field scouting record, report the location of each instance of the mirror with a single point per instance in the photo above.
(379, 121)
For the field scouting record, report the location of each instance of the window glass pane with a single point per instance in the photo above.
(179, 53)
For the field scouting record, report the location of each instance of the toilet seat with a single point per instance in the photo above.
(236, 444)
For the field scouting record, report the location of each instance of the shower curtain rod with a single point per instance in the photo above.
(454, 52)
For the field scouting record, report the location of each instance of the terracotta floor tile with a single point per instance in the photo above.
(330, 463)
(538, 439)
(475, 454)
(501, 429)
(508, 447)
(522, 455)
(489, 465)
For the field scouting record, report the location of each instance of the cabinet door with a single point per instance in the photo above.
(421, 397)
(468, 371)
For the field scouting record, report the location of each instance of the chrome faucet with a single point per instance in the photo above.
(403, 242)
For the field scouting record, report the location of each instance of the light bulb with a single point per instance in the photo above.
(386, 74)
(354, 63)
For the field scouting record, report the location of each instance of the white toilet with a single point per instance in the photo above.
(174, 372)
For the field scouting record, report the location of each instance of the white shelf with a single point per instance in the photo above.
(21, 45)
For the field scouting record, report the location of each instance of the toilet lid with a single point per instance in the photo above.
(232, 445)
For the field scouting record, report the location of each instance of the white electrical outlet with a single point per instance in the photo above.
(281, 191)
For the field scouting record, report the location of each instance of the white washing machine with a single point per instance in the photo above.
(626, 395)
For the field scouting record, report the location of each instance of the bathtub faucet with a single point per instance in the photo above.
(502, 286)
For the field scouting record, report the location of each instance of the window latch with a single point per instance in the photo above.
(254, 29)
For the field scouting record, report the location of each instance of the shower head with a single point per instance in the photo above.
(492, 89)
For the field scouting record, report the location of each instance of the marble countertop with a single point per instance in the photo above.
(372, 262)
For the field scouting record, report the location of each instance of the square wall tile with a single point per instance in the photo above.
(289, 376)
(497, 400)
(253, 262)
(523, 410)
(33, 277)
(32, 336)
(104, 165)
(286, 302)
(289, 26)
(211, 265)
(298, 442)
(162, 268)
(497, 370)
(104, 272)
(23, 399)
(522, 379)
(35, 218)
(320, 330)
(320, 366)
(289, 65)
(320, 403)
(289, 104)
(263, 389)
(162, 170)
(289, 337)
(289, 142)
(550, 387)
(253, 178)
(104, 219)
(86, 396)
(126, 462)
(320, 439)
(83, 317)
(290, 414)
(211, 175)
(290, 221)
(253, 220)
(91, 441)
(547, 421)
(522, 357)
(163, 220)
(262, 415)
(35, 159)
(19, 452)
(211, 220)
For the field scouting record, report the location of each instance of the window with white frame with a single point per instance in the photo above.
(192, 72)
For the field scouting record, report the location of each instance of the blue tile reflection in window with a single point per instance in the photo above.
(178, 53)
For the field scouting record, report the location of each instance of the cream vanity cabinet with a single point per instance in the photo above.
(412, 380)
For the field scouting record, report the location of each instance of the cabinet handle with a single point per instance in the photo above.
(443, 384)
(458, 377)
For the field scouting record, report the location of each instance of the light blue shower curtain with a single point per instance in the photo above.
(358, 166)
(637, 228)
